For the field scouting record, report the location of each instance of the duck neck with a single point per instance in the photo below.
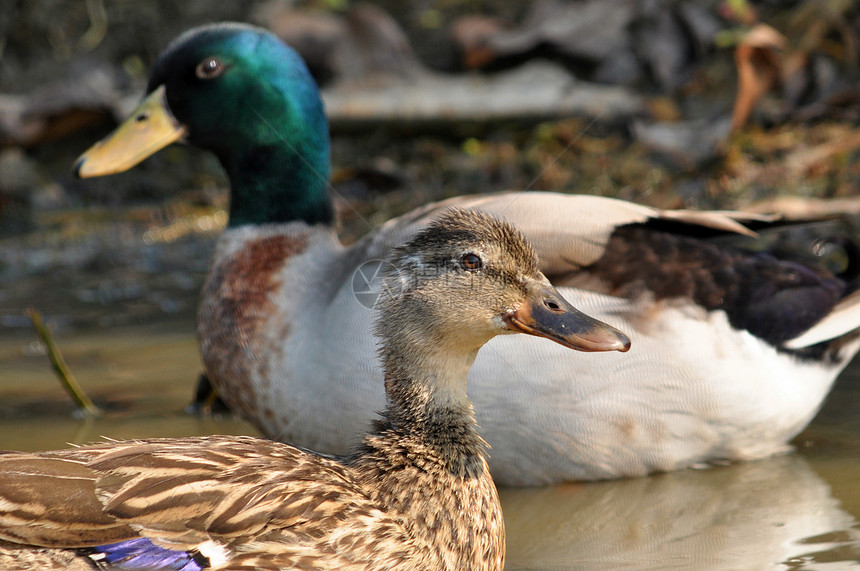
(274, 184)
(427, 463)
(427, 404)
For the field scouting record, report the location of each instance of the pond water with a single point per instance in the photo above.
(134, 352)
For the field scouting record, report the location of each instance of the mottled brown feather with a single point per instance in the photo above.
(416, 495)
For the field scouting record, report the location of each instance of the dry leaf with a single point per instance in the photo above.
(759, 61)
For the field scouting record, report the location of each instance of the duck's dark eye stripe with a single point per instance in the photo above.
(209, 68)
(471, 262)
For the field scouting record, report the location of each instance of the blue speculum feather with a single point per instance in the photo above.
(141, 553)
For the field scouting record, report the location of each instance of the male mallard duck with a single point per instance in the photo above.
(416, 495)
(734, 351)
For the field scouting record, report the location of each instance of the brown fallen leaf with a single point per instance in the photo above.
(759, 59)
(471, 35)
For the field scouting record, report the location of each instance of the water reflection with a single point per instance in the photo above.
(771, 514)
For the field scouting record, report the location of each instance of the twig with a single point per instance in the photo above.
(60, 368)
(98, 25)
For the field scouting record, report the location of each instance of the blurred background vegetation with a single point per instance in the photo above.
(674, 103)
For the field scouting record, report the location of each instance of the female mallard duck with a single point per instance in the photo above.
(416, 495)
(734, 352)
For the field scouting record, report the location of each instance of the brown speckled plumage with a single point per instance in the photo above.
(13, 559)
(417, 494)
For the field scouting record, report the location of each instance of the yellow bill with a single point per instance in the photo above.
(150, 127)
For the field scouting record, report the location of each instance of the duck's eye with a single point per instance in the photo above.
(471, 262)
(210, 68)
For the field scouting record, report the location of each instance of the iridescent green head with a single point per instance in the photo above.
(239, 92)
